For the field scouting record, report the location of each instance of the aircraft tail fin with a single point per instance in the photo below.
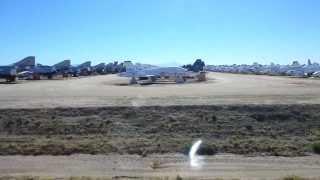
(26, 63)
(66, 64)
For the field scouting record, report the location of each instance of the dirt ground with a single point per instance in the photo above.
(127, 128)
(106, 91)
(227, 166)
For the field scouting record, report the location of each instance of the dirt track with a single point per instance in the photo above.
(223, 165)
(103, 91)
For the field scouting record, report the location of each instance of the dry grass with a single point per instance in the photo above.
(316, 147)
(92, 178)
(279, 130)
(155, 164)
(178, 177)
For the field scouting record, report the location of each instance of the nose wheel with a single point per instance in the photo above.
(11, 79)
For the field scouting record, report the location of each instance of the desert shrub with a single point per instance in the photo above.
(204, 149)
(259, 117)
(213, 118)
(249, 127)
(272, 116)
(155, 164)
(207, 150)
(280, 116)
(292, 177)
(316, 147)
(185, 149)
(178, 178)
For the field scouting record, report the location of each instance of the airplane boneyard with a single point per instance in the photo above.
(27, 69)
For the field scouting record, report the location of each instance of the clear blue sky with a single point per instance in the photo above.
(165, 32)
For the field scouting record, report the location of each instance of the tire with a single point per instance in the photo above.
(11, 79)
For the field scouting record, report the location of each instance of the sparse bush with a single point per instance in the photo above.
(292, 177)
(204, 149)
(316, 147)
(280, 116)
(207, 150)
(249, 127)
(213, 118)
(185, 149)
(178, 178)
(155, 164)
(259, 117)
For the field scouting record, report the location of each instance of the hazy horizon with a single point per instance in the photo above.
(166, 32)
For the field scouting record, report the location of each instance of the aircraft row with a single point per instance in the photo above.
(28, 69)
(311, 69)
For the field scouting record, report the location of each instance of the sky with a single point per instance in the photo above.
(161, 32)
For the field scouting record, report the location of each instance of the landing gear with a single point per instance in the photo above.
(202, 76)
(11, 79)
(133, 80)
(180, 79)
(153, 79)
(50, 76)
(36, 77)
(65, 75)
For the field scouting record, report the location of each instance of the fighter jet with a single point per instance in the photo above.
(83, 69)
(29, 71)
(63, 67)
(150, 74)
(10, 72)
(99, 68)
(25, 64)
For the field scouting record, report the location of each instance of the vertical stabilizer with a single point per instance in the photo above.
(25, 64)
(85, 65)
(62, 66)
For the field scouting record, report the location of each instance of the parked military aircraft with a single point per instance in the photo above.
(99, 68)
(83, 69)
(8, 73)
(27, 69)
(25, 64)
(150, 74)
(63, 67)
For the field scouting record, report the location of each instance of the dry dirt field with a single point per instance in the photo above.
(120, 130)
(171, 165)
(104, 91)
